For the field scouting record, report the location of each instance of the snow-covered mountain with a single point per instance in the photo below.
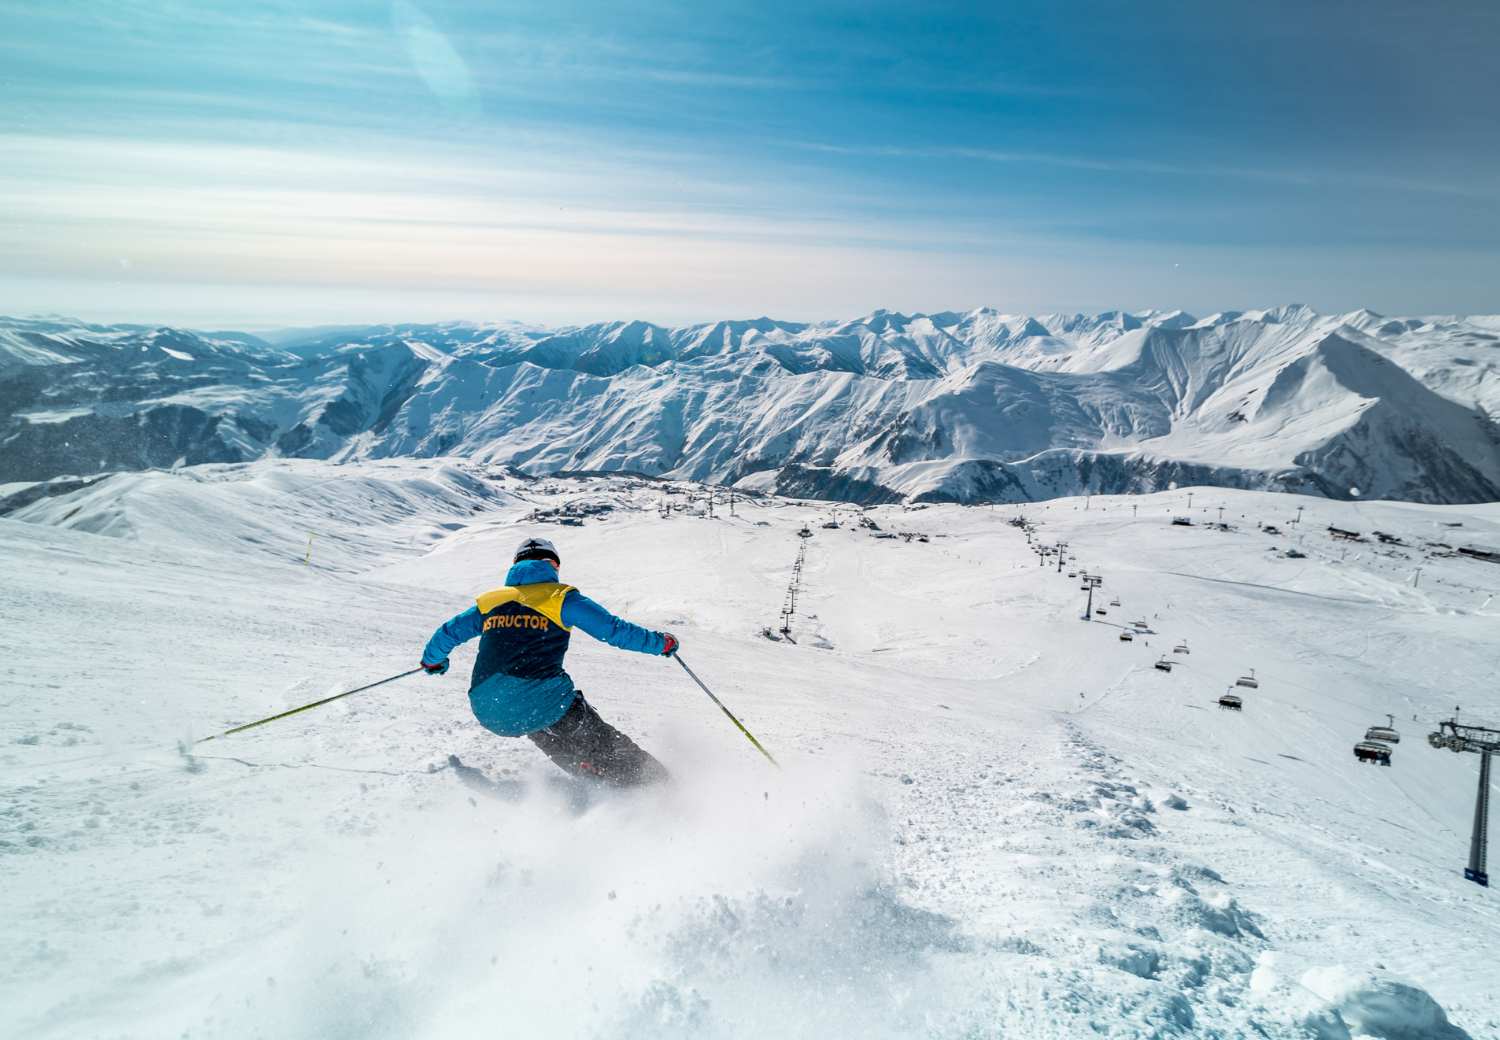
(972, 407)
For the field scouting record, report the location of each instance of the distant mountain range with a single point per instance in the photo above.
(971, 407)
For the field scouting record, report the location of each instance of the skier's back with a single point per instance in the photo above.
(519, 687)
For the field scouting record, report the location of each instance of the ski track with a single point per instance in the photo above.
(959, 845)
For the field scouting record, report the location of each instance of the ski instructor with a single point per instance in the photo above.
(519, 687)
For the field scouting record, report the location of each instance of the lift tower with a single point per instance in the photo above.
(1091, 582)
(1483, 741)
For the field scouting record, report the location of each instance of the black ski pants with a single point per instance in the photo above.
(583, 744)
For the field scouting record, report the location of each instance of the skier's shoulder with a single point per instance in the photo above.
(547, 598)
(529, 594)
(579, 609)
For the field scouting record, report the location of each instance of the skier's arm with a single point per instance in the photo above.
(460, 628)
(578, 611)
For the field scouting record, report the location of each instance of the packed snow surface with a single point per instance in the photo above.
(994, 819)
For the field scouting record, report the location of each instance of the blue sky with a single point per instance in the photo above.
(275, 163)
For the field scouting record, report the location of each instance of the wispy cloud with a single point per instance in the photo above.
(748, 152)
(1125, 164)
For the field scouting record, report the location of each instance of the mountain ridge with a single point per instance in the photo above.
(974, 406)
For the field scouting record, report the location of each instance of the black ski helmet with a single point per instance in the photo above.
(537, 549)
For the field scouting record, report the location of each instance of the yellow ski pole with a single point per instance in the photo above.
(305, 707)
(738, 724)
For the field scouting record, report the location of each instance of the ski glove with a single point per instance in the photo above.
(441, 668)
(669, 644)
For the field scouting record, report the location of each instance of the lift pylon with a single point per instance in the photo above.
(1484, 742)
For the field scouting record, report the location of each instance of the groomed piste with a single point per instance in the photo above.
(993, 818)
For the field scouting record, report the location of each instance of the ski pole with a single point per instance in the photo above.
(740, 725)
(305, 707)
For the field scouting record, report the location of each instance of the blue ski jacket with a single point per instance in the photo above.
(518, 685)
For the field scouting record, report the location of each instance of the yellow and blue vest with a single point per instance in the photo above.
(519, 685)
(522, 632)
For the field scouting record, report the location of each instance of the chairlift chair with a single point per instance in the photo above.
(1127, 636)
(1163, 665)
(1386, 733)
(1115, 602)
(1181, 648)
(1231, 702)
(1139, 626)
(1100, 611)
(1373, 751)
(1248, 680)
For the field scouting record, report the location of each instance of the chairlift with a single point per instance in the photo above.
(1100, 611)
(1127, 636)
(1386, 733)
(1248, 680)
(1072, 574)
(1163, 665)
(1181, 648)
(1139, 626)
(1231, 702)
(1115, 602)
(1373, 751)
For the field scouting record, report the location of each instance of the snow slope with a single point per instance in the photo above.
(973, 407)
(994, 819)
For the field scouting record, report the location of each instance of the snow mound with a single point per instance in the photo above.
(1373, 1004)
(328, 518)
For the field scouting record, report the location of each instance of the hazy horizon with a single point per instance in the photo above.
(274, 329)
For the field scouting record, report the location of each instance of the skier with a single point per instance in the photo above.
(519, 688)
